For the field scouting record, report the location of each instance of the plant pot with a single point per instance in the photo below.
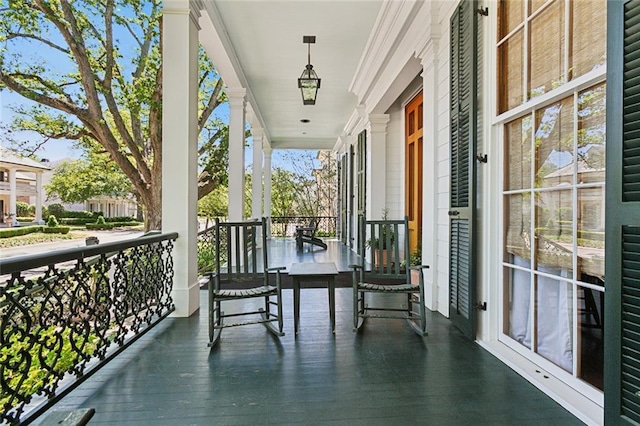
(380, 257)
(415, 276)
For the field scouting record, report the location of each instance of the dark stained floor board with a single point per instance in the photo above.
(384, 375)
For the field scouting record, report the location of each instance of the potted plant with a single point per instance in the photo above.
(415, 259)
(381, 241)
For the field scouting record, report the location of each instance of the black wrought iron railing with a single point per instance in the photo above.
(285, 226)
(64, 314)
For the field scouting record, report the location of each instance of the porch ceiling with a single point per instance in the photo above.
(265, 36)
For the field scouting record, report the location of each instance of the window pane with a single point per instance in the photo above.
(510, 16)
(554, 320)
(590, 333)
(536, 4)
(589, 38)
(554, 232)
(518, 238)
(518, 324)
(591, 135)
(547, 50)
(518, 154)
(591, 221)
(554, 145)
(511, 72)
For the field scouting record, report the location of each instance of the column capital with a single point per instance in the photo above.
(378, 122)
(257, 133)
(237, 97)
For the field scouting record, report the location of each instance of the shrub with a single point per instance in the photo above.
(57, 210)
(120, 219)
(23, 230)
(25, 219)
(76, 221)
(80, 215)
(56, 229)
(52, 222)
(22, 209)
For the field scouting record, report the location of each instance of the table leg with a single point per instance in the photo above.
(296, 304)
(332, 303)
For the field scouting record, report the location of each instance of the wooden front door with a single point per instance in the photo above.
(413, 167)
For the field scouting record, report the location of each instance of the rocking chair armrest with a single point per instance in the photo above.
(276, 269)
(416, 267)
(354, 266)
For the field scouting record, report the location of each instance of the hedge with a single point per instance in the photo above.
(26, 219)
(110, 225)
(22, 230)
(55, 229)
(80, 215)
(120, 219)
(76, 221)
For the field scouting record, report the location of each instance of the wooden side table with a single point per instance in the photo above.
(306, 272)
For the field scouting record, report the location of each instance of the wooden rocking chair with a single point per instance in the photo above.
(242, 272)
(388, 246)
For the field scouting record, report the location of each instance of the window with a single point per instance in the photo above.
(554, 181)
(544, 44)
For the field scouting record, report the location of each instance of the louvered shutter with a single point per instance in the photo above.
(622, 269)
(463, 94)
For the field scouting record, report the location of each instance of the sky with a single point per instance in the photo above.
(61, 149)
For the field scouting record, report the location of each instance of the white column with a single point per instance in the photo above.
(256, 182)
(180, 148)
(376, 165)
(430, 172)
(39, 195)
(13, 192)
(267, 187)
(237, 113)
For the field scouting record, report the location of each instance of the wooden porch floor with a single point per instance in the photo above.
(383, 375)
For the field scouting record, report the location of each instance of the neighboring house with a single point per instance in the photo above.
(113, 206)
(20, 180)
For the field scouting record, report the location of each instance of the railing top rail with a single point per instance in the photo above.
(31, 261)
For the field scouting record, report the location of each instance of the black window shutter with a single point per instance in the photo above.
(463, 112)
(622, 268)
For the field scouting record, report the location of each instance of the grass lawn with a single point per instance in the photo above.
(41, 237)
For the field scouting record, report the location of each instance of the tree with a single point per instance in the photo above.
(93, 70)
(76, 181)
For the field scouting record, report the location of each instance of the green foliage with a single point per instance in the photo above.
(214, 204)
(111, 225)
(23, 230)
(56, 229)
(34, 237)
(100, 220)
(57, 210)
(80, 215)
(22, 209)
(206, 257)
(76, 181)
(52, 222)
(55, 347)
(283, 193)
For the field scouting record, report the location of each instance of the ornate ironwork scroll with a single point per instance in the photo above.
(65, 314)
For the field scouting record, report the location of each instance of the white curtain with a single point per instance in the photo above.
(554, 313)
